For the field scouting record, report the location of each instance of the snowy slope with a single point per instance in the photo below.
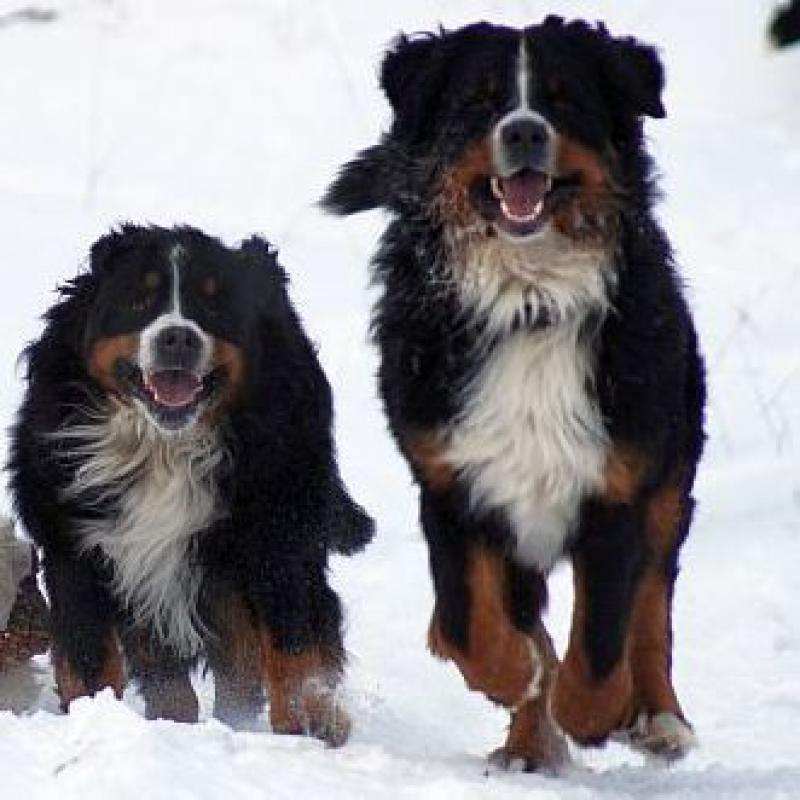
(233, 115)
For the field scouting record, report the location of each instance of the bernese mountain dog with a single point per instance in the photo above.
(539, 368)
(173, 457)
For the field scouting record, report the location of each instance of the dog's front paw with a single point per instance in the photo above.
(330, 723)
(587, 709)
(552, 762)
(73, 683)
(534, 743)
(315, 711)
(662, 736)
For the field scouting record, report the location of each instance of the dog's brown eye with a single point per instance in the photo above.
(557, 92)
(150, 282)
(141, 304)
(209, 286)
(489, 91)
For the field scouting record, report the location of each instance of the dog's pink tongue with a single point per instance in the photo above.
(523, 191)
(174, 387)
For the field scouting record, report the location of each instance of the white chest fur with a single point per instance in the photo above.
(163, 489)
(530, 440)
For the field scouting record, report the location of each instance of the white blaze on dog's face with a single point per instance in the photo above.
(523, 147)
(175, 356)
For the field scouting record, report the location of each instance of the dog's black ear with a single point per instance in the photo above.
(103, 249)
(265, 279)
(261, 253)
(411, 76)
(407, 65)
(635, 72)
(113, 244)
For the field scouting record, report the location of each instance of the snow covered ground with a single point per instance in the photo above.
(233, 115)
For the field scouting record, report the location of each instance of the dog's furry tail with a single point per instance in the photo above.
(351, 528)
(365, 183)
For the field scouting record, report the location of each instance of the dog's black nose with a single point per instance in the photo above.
(524, 133)
(524, 144)
(178, 347)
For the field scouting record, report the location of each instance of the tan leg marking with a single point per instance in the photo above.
(640, 687)
(624, 472)
(236, 662)
(533, 739)
(424, 451)
(588, 709)
(651, 626)
(239, 638)
(172, 698)
(166, 695)
(509, 667)
(70, 686)
(658, 726)
(498, 661)
(651, 647)
(302, 690)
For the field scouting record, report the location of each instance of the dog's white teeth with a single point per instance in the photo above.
(152, 389)
(524, 218)
(496, 190)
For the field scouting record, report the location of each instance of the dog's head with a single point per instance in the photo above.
(510, 132)
(171, 319)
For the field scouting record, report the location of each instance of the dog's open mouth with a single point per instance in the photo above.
(520, 204)
(521, 196)
(173, 388)
(172, 396)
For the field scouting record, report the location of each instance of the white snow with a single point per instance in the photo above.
(233, 115)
